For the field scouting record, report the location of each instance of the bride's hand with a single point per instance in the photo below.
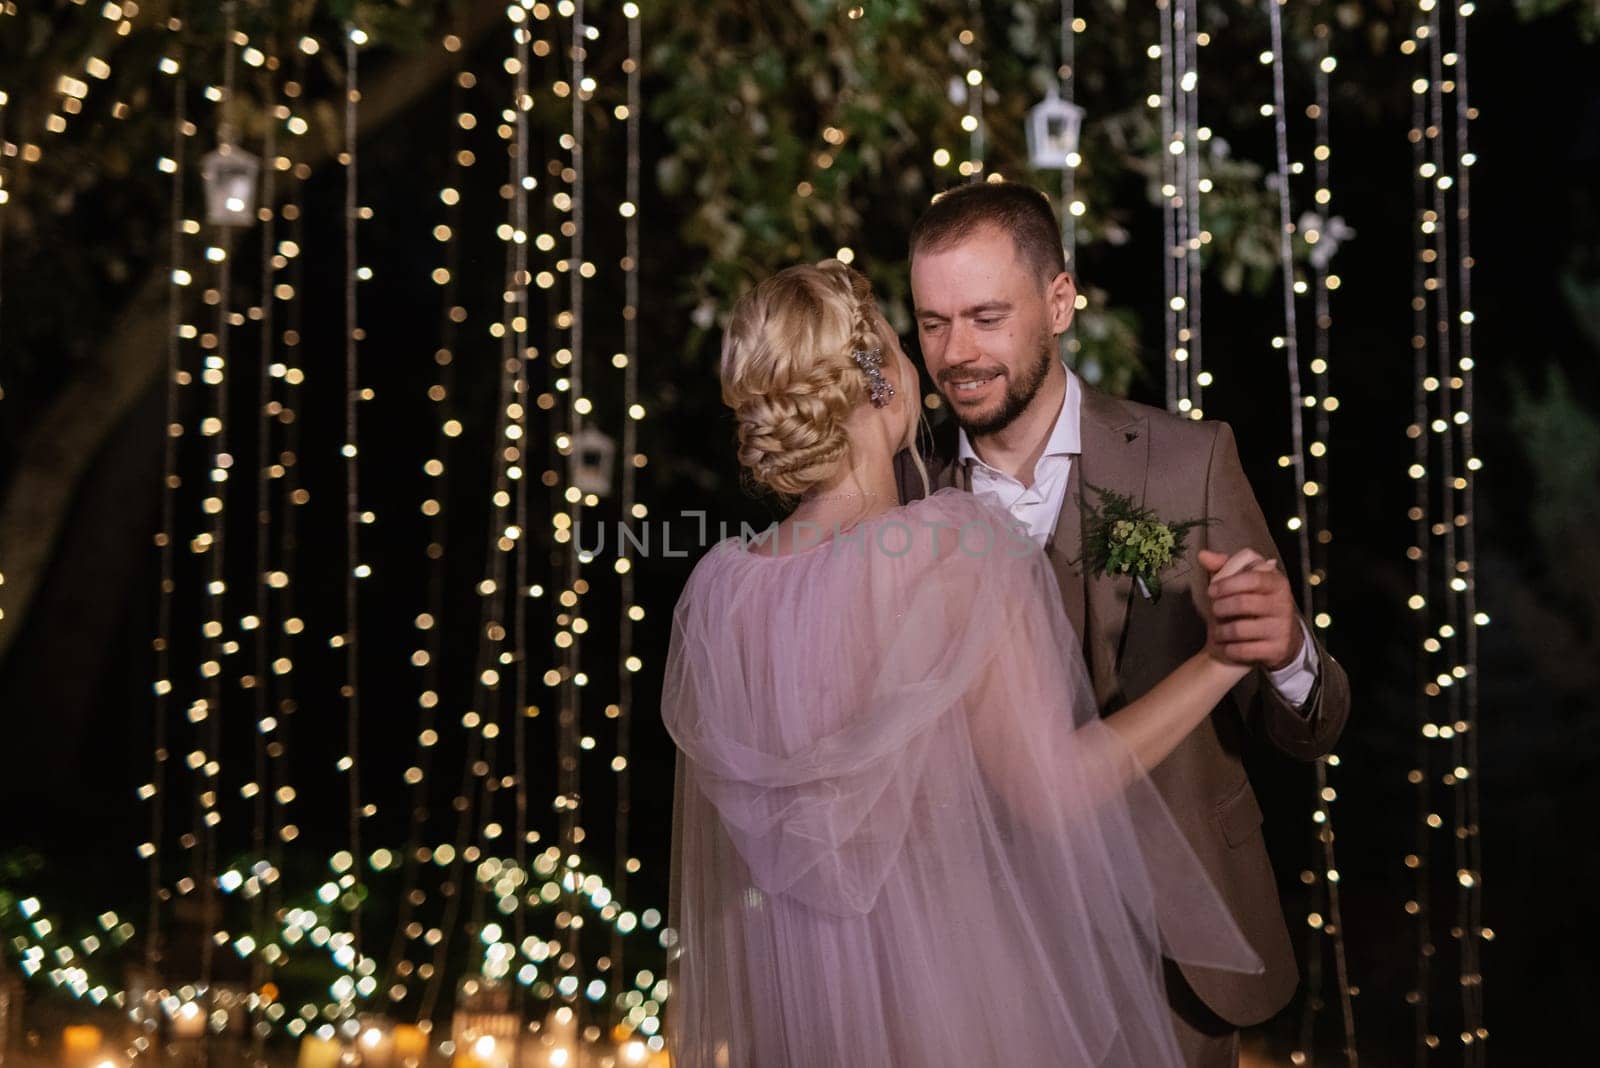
(1222, 566)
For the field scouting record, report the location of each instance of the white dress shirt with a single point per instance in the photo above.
(1037, 506)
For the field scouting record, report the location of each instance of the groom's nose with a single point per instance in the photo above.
(963, 345)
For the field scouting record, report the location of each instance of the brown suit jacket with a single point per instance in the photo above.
(1186, 469)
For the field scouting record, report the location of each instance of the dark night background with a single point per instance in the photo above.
(75, 683)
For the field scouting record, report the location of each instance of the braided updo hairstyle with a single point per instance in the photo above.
(788, 372)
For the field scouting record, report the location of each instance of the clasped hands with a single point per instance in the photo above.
(1251, 616)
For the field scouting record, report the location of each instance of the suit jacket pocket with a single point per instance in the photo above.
(1239, 815)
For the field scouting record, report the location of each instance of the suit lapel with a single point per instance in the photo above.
(1115, 456)
(1066, 551)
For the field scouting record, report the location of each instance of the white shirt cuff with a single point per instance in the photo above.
(1295, 680)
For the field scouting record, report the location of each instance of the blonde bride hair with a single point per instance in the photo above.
(789, 375)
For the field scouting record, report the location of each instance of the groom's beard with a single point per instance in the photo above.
(1018, 395)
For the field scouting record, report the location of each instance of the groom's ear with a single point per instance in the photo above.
(1061, 297)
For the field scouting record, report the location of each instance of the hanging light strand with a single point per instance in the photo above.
(1470, 873)
(216, 427)
(522, 185)
(1323, 283)
(1067, 74)
(1419, 907)
(1162, 52)
(1188, 37)
(355, 570)
(628, 663)
(972, 122)
(435, 505)
(155, 790)
(570, 754)
(473, 802)
(1181, 187)
(1449, 466)
(266, 722)
(1332, 925)
(292, 496)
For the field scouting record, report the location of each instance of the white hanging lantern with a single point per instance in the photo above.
(230, 175)
(1053, 127)
(593, 454)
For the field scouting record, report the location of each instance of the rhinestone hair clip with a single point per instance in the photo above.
(871, 362)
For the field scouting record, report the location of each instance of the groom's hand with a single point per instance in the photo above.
(1253, 618)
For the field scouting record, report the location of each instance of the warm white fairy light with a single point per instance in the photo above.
(1323, 237)
(1067, 75)
(259, 790)
(1187, 39)
(1469, 836)
(632, 460)
(355, 570)
(519, 355)
(430, 623)
(571, 690)
(971, 55)
(288, 256)
(206, 713)
(477, 830)
(1444, 467)
(154, 791)
(1180, 194)
(1323, 881)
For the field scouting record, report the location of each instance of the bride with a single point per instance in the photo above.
(903, 836)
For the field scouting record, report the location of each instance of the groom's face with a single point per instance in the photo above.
(986, 323)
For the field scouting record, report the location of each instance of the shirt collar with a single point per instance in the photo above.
(1065, 437)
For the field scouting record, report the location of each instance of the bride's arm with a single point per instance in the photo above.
(1025, 742)
(1152, 726)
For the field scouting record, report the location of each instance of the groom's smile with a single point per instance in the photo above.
(969, 387)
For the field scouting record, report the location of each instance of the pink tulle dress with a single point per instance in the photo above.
(902, 836)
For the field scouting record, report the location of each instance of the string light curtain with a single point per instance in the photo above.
(258, 790)
(292, 497)
(1177, 53)
(154, 791)
(355, 569)
(971, 54)
(573, 679)
(631, 508)
(518, 356)
(1067, 74)
(1323, 884)
(206, 761)
(437, 469)
(1322, 232)
(1444, 552)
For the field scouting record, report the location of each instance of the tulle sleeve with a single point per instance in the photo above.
(902, 833)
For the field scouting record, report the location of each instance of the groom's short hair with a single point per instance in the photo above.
(1019, 210)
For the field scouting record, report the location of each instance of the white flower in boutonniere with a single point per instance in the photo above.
(1122, 538)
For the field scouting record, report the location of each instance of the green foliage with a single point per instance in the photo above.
(1123, 538)
(1561, 439)
(1585, 13)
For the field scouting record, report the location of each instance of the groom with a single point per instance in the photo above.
(992, 295)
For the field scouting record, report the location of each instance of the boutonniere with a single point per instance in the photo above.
(1123, 538)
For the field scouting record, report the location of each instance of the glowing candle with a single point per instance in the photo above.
(80, 1042)
(319, 1053)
